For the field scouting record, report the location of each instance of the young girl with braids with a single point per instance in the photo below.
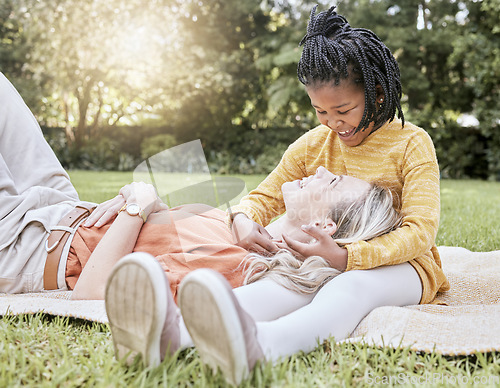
(353, 82)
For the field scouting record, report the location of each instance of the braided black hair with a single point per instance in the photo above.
(334, 51)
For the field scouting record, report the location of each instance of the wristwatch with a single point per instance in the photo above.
(134, 209)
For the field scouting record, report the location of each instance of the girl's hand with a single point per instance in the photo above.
(252, 236)
(144, 195)
(105, 212)
(324, 246)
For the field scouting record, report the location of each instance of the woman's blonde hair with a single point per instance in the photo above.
(370, 216)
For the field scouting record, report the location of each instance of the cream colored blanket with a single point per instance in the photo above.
(469, 323)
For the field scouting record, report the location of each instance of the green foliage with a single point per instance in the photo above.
(269, 158)
(461, 151)
(67, 155)
(477, 54)
(116, 148)
(225, 162)
(103, 154)
(449, 66)
(224, 72)
(154, 144)
(102, 60)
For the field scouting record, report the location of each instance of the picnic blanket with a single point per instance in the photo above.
(468, 323)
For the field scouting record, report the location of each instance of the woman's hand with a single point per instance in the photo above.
(144, 195)
(136, 191)
(105, 212)
(252, 236)
(324, 246)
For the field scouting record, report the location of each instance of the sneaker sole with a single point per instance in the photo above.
(136, 307)
(218, 335)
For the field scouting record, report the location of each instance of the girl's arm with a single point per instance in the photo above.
(417, 234)
(258, 208)
(118, 241)
(325, 247)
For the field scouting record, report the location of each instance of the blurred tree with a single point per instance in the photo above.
(449, 60)
(278, 110)
(476, 53)
(15, 53)
(283, 102)
(216, 73)
(155, 144)
(224, 71)
(103, 60)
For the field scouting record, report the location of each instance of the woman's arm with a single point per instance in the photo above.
(118, 241)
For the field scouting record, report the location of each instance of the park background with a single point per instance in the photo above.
(113, 82)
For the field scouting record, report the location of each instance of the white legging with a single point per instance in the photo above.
(288, 322)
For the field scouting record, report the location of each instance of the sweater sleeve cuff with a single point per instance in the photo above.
(351, 257)
(230, 217)
(233, 211)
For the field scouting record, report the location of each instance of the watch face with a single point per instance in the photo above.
(133, 209)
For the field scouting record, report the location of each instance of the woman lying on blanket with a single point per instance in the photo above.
(196, 236)
(140, 299)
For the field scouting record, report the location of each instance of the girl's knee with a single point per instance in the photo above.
(391, 285)
(349, 285)
(351, 280)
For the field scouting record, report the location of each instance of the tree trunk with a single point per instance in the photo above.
(83, 106)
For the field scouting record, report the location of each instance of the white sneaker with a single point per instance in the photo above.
(143, 317)
(224, 334)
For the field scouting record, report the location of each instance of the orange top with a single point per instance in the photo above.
(182, 239)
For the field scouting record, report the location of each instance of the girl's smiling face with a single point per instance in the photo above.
(341, 109)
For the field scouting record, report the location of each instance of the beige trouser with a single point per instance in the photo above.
(35, 193)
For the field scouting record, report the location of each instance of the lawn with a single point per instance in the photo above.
(46, 351)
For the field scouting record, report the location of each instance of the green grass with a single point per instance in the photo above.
(470, 215)
(100, 186)
(43, 351)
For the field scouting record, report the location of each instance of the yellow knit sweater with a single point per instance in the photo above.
(401, 159)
